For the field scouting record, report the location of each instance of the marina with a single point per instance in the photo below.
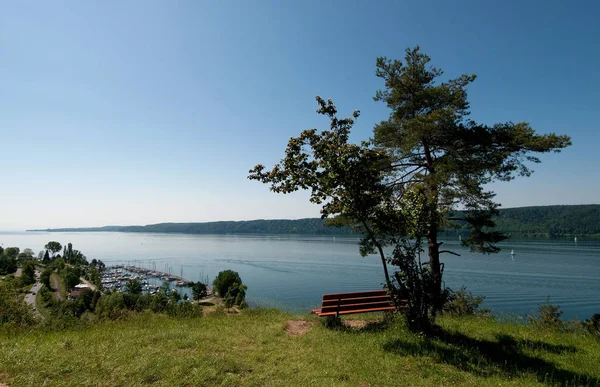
(116, 277)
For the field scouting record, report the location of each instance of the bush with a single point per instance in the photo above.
(185, 310)
(199, 290)
(462, 303)
(593, 325)
(14, 312)
(112, 306)
(547, 317)
(413, 282)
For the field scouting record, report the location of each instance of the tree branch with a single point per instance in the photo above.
(449, 252)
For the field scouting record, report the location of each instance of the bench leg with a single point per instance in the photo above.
(333, 322)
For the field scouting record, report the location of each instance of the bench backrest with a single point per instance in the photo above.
(344, 302)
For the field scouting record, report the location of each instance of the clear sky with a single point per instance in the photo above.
(137, 112)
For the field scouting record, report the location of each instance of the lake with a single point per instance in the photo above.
(293, 272)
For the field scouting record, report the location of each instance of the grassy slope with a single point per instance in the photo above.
(254, 349)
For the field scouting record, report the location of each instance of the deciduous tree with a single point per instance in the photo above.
(53, 246)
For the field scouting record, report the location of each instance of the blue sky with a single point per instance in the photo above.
(152, 111)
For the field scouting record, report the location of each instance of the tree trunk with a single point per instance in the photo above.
(385, 270)
(432, 241)
(381, 254)
(436, 272)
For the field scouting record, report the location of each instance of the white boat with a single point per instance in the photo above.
(512, 252)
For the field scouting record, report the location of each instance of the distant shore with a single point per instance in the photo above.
(560, 221)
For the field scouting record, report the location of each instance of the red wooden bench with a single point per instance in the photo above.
(355, 302)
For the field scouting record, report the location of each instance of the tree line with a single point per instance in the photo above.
(553, 220)
(540, 220)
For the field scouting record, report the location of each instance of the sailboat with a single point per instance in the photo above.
(512, 252)
(575, 239)
(460, 237)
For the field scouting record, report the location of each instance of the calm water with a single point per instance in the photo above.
(292, 272)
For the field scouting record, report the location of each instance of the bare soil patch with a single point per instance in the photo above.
(297, 327)
(359, 324)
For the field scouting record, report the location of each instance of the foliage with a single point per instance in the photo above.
(462, 303)
(411, 285)
(54, 247)
(551, 220)
(26, 254)
(98, 264)
(45, 277)
(444, 160)
(74, 257)
(8, 260)
(229, 300)
(71, 276)
(547, 317)
(199, 291)
(345, 178)
(225, 280)
(593, 325)
(58, 264)
(11, 252)
(425, 161)
(95, 276)
(134, 287)
(112, 306)
(28, 273)
(13, 310)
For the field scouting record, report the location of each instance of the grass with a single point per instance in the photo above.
(253, 348)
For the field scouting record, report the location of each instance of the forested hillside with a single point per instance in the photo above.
(553, 220)
(541, 220)
(261, 226)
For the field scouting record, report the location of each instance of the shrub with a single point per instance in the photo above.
(413, 282)
(134, 287)
(185, 310)
(112, 306)
(547, 316)
(13, 310)
(463, 303)
(593, 325)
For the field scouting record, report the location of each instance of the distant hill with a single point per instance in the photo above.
(540, 220)
(261, 226)
(552, 220)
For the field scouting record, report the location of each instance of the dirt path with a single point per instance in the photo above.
(88, 283)
(55, 283)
